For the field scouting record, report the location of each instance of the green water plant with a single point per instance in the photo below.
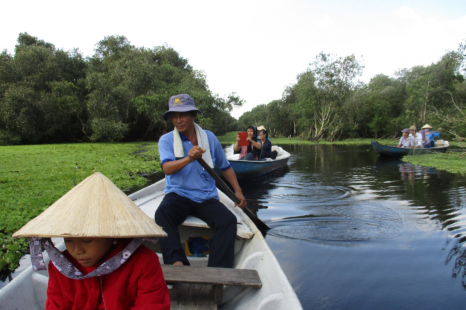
(451, 162)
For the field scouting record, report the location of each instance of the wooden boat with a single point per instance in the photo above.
(28, 290)
(250, 169)
(394, 151)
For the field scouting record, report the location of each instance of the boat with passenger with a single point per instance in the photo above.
(251, 169)
(397, 152)
(256, 282)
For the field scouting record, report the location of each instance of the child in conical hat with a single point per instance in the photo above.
(105, 265)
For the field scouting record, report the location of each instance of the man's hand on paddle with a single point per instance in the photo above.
(195, 153)
(243, 202)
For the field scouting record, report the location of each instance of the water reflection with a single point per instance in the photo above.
(458, 254)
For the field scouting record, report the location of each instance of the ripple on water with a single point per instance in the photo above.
(313, 193)
(354, 223)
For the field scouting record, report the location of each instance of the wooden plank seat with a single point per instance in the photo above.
(206, 281)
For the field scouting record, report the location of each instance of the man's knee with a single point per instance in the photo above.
(228, 221)
(161, 214)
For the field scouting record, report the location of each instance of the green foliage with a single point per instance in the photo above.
(130, 87)
(121, 93)
(108, 130)
(11, 251)
(316, 106)
(33, 177)
(328, 102)
(50, 95)
(9, 138)
(40, 92)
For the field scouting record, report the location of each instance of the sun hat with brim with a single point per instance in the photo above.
(405, 130)
(426, 126)
(180, 103)
(260, 128)
(94, 208)
(412, 128)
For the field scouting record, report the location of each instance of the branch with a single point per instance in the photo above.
(453, 100)
(83, 126)
(447, 119)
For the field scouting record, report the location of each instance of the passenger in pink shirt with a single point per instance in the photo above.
(251, 151)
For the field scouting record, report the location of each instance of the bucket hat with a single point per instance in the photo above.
(180, 103)
(93, 208)
(426, 126)
(405, 130)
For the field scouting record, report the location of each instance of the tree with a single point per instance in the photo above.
(41, 92)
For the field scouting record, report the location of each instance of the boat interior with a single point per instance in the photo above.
(256, 282)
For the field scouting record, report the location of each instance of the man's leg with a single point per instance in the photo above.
(223, 222)
(173, 210)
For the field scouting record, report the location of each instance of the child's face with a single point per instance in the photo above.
(88, 251)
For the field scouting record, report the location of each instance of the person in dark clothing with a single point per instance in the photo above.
(266, 150)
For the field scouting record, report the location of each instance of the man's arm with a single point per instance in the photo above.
(174, 166)
(230, 175)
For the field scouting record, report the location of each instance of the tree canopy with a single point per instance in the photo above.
(48, 95)
(329, 102)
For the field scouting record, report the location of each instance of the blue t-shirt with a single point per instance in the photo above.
(192, 182)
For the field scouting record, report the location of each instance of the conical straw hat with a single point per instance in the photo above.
(426, 126)
(93, 208)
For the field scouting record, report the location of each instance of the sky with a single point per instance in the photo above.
(253, 48)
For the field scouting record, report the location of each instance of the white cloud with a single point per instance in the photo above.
(405, 12)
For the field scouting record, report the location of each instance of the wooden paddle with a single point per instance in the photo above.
(260, 225)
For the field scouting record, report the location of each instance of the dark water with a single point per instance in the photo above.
(354, 232)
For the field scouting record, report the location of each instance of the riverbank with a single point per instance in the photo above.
(32, 177)
(451, 162)
(230, 138)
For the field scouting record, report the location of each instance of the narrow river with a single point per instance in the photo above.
(354, 232)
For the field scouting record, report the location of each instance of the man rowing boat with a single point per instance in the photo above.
(190, 190)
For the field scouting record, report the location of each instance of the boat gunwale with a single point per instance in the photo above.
(395, 151)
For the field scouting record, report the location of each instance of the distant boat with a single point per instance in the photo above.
(251, 169)
(394, 151)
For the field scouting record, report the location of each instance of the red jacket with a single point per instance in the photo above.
(138, 284)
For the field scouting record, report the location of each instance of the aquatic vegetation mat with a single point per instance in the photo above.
(32, 177)
(451, 162)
